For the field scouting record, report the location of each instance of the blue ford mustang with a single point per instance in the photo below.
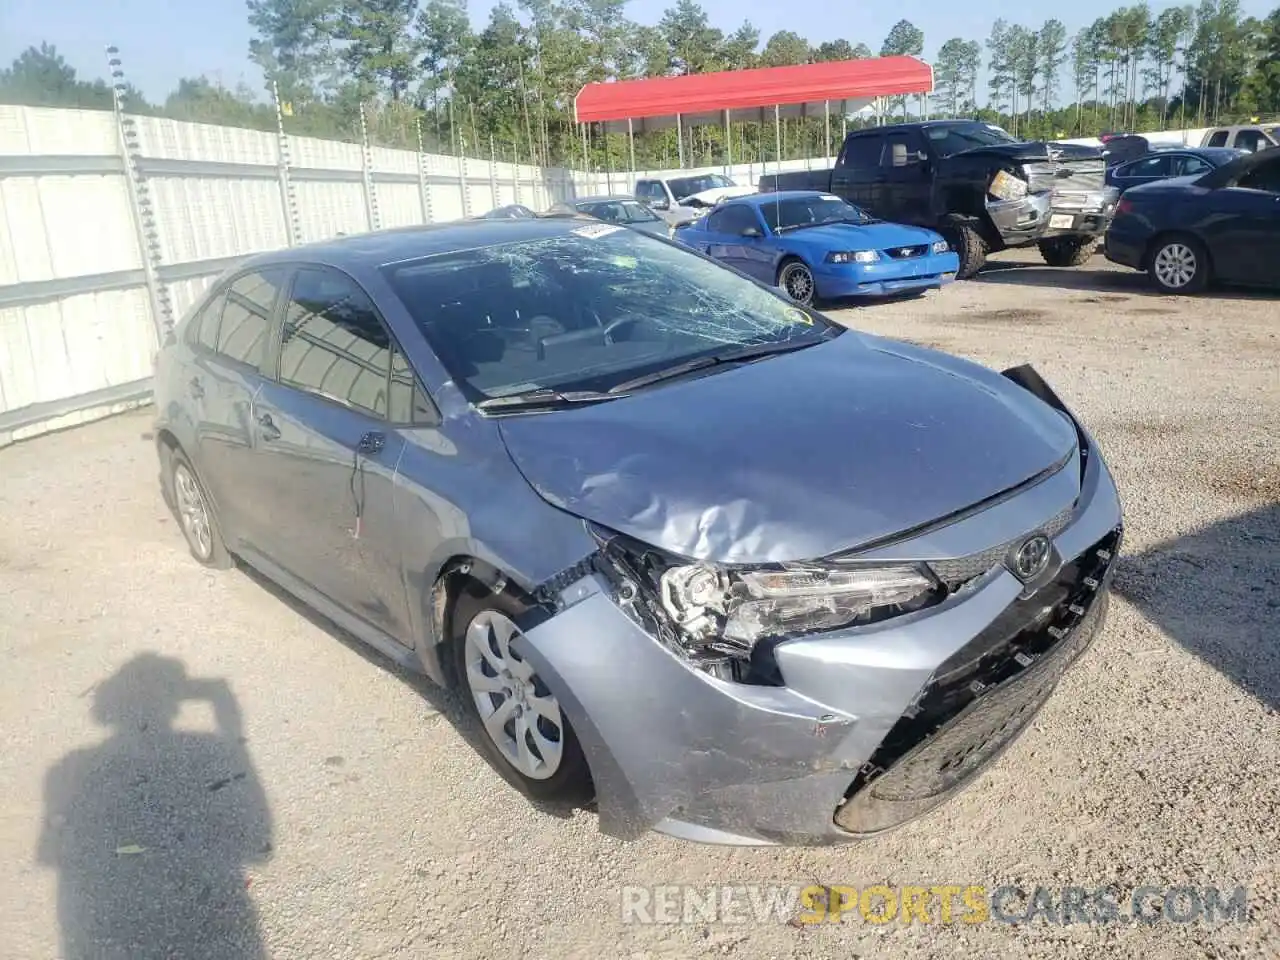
(817, 246)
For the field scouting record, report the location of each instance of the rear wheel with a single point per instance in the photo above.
(1067, 251)
(796, 279)
(1179, 264)
(195, 515)
(525, 735)
(969, 246)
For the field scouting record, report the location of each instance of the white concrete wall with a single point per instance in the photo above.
(77, 327)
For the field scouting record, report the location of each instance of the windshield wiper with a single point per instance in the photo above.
(742, 355)
(542, 397)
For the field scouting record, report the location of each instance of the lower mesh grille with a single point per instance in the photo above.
(981, 699)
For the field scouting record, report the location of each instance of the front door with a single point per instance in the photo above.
(325, 444)
(728, 244)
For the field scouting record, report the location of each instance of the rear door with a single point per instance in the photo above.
(858, 176)
(907, 185)
(1243, 226)
(327, 450)
(229, 352)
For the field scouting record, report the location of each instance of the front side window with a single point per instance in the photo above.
(1191, 166)
(796, 213)
(587, 310)
(1251, 140)
(334, 344)
(684, 187)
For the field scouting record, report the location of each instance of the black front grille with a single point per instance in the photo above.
(906, 253)
(978, 702)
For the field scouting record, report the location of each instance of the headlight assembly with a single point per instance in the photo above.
(853, 256)
(941, 246)
(1005, 186)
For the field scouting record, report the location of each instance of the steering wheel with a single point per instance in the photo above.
(615, 325)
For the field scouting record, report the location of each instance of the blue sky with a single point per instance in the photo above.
(162, 40)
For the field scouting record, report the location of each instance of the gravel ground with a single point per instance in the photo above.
(290, 796)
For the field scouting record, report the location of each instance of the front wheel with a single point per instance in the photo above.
(1179, 265)
(797, 280)
(1068, 251)
(526, 736)
(970, 247)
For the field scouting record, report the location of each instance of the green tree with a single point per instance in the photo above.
(379, 49)
(1000, 67)
(949, 78)
(904, 39)
(784, 49)
(1051, 42)
(293, 45)
(41, 77)
(695, 45)
(830, 50)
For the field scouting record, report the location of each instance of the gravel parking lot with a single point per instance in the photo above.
(259, 786)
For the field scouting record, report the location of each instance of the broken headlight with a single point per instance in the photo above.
(1005, 186)
(740, 607)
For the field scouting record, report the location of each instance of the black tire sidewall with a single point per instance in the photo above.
(571, 783)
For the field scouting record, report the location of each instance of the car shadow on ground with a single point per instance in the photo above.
(152, 830)
(447, 703)
(1216, 592)
(1095, 277)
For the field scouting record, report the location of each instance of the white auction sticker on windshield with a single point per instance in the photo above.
(828, 196)
(593, 231)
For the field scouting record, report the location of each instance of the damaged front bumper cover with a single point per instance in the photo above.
(871, 727)
(1039, 216)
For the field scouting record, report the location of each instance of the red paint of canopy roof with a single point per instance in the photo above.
(745, 89)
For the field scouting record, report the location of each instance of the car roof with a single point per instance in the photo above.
(759, 199)
(607, 198)
(1224, 154)
(379, 247)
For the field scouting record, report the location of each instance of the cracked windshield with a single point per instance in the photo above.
(589, 310)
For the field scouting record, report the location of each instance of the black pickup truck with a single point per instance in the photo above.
(979, 187)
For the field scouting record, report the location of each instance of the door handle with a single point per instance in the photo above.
(196, 387)
(269, 429)
(371, 443)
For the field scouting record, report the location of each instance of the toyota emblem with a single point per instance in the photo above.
(1031, 558)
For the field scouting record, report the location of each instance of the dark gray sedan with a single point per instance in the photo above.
(625, 211)
(740, 573)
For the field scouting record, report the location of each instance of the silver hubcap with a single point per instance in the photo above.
(193, 513)
(798, 283)
(518, 711)
(1175, 265)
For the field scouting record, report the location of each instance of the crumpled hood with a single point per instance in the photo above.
(716, 194)
(871, 236)
(1036, 150)
(794, 457)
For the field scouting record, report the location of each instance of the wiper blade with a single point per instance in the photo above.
(542, 397)
(742, 355)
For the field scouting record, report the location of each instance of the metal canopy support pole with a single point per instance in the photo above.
(777, 137)
(608, 161)
(728, 146)
(493, 173)
(586, 160)
(631, 146)
(826, 124)
(680, 141)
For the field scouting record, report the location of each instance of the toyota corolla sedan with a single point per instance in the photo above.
(734, 571)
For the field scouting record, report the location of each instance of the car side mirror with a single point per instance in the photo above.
(753, 232)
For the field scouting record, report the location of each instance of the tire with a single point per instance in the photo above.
(1178, 264)
(493, 683)
(970, 247)
(195, 515)
(796, 280)
(1067, 251)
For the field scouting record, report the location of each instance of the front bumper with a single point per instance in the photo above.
(885, 277)
(836, 752)
(1039, 216)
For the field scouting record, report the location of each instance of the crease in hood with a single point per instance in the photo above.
(794, 457)
(865, 235)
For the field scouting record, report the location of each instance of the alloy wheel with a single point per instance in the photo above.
(798, 282)
(193, 512)
(517, 710)
(1175, 265)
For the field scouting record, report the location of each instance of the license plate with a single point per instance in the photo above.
(1061, 221)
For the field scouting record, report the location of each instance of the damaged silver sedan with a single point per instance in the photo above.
(736, 572)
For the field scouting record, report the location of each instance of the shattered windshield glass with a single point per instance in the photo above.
(953, 137)
(587, 310)
(798, 212)
(683, 187)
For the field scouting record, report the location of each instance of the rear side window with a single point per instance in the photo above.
(246, 316)
(1150, 167)
(732, 220)
(1218, 139)
(862, 153)
(1187, 166)
(334, 344)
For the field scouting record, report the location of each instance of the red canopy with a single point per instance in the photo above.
(700, 98)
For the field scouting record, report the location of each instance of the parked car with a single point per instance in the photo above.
(1187, 232)
(512, 211)
(1165, 162)
(979, 187)
(623, 210)
(816, 246)
(738, 572)
(1251, 137)
(683, 199)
